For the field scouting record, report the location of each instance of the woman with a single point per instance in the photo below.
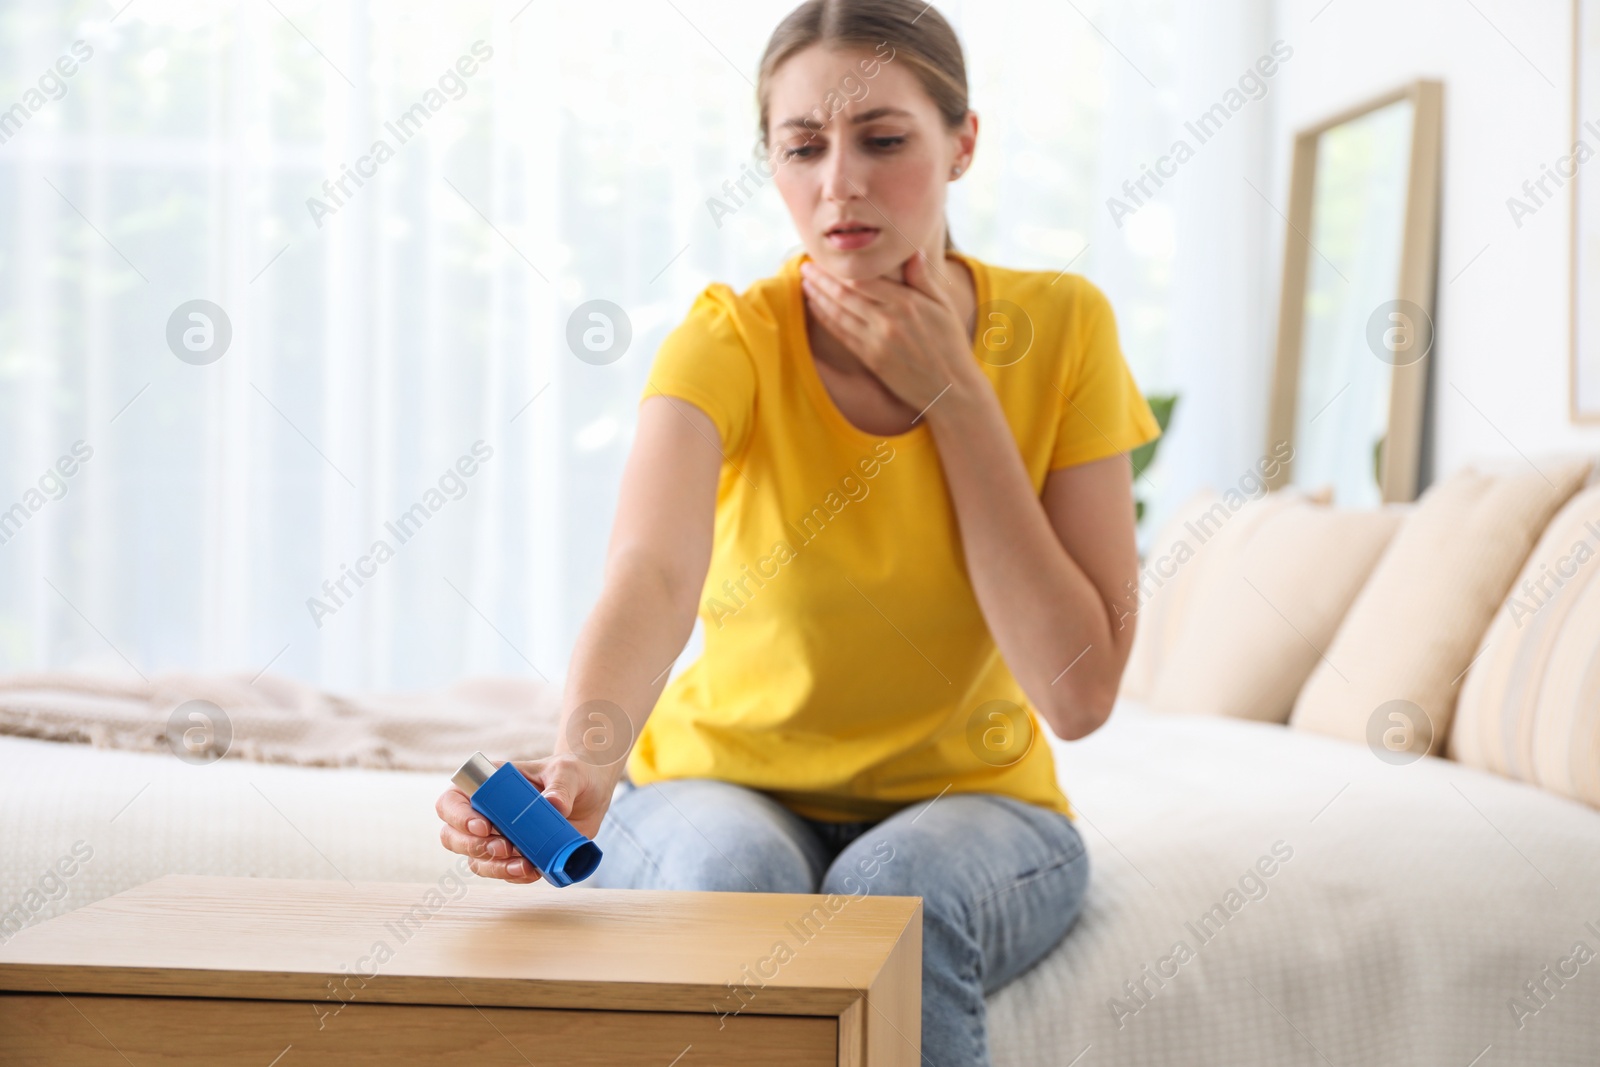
(898, 476)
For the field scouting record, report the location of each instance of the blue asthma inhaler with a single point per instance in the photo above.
(530, 822)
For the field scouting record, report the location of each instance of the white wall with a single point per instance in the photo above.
(1502, 341)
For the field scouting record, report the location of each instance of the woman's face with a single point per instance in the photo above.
(862, 158)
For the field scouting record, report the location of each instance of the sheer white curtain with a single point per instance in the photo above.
(1231, 213)
(399, 350)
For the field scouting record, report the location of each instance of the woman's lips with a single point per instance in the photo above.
(851, 238)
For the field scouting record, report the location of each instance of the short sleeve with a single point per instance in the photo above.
(1103, 412)
(706, 361)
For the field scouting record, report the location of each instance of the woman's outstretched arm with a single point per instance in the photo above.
(655, 567)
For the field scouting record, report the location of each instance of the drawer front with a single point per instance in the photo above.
(89, 1031)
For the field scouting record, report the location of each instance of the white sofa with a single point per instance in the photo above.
(1413, 903)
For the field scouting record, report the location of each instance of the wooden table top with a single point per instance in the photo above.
(494, 944)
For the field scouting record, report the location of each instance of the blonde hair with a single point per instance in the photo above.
(918, 34)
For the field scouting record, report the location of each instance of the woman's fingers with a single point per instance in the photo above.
(848, 299)
(881, 291)
(841, 320)
(860, 294)
(471, 845)
(513, 870)
(489, 854)
(457, 811)
(869, 295)
(489, 857)
(919, 276)
(560, 785)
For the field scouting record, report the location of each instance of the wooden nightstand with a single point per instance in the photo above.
(190, 970)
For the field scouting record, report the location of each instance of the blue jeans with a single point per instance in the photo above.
(1001, 880)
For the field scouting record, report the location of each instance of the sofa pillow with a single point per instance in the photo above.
(1530, 704)
(1266, 606)
(1182, 550)
(1165, 579)
(1413, 629)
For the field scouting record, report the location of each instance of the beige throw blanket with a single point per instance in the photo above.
(277, 720)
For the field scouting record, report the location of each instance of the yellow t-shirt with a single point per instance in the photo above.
(848, 670)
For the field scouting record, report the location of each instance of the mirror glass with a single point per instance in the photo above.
(1358, 221)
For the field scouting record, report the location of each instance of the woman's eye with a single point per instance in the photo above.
(884, 144)
(805, 151)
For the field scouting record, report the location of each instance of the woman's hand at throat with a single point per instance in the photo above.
(909, 335)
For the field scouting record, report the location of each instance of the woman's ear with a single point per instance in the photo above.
(966, 138)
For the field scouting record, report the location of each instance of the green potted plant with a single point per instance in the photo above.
(1161, 405)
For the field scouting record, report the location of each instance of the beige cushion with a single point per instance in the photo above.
(1281, 577)
(1165, 580)
(1530, 705)
(1413, 629)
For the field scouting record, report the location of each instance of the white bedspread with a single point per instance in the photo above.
(1416, 903)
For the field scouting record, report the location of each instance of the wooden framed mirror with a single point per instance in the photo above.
(1355, 319)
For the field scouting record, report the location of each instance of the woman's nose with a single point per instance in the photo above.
(841, 175)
